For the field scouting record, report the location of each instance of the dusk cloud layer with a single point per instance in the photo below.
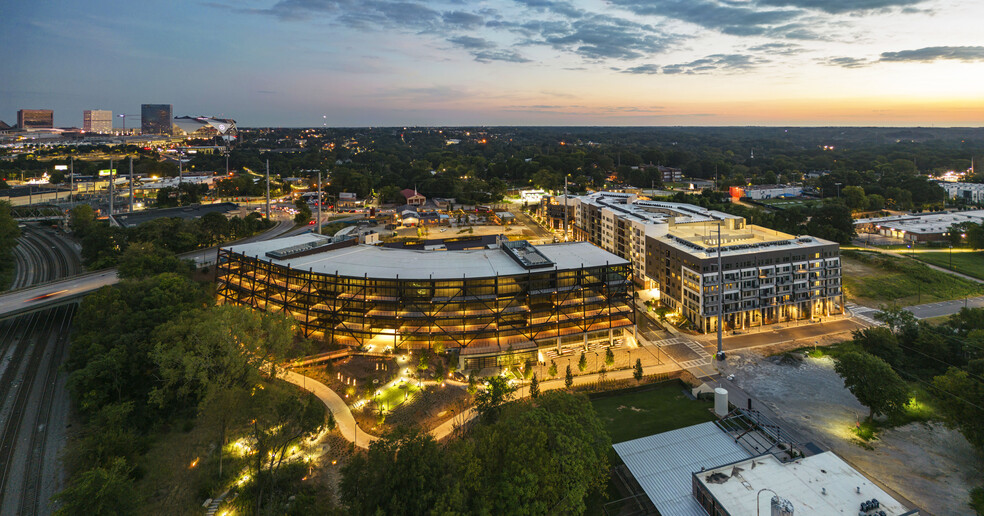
(451, 61)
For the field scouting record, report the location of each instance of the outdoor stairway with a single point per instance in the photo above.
(213, 507)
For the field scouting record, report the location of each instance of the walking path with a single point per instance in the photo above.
(343, 416)
(350, 430)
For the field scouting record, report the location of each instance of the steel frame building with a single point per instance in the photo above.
(534, 297)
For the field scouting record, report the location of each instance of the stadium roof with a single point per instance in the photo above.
(381, 262)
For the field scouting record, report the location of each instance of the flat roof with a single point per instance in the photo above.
(663, 464)
(383, 262)
(700, 240)
(736, 486)
(929, 223)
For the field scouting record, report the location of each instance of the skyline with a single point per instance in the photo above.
(528, 62)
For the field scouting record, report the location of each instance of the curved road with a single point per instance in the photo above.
(33, 298)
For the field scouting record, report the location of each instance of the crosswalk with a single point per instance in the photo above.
(863, 313)
(703, 357)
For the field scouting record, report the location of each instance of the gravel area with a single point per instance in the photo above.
(932, 466)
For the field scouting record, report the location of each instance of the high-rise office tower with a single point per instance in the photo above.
(156, 118)
(97, 121)
(35, 119)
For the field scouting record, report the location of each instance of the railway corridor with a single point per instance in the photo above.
(34, 409)
(43, 255)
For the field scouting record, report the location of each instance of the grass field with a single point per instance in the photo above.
(969, 263)
(783, 202)
(873, 279)
(662, 408)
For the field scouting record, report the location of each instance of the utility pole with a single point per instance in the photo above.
(565, 208)
(110, 187)
(71, 181)
(180, 171)
(131, 184)
(720, 351)
(268, 190)
(319, 202)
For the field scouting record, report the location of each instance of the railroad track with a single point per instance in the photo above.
(42, 255)
(32, 500)
(32, 348)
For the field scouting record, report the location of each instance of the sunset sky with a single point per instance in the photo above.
(529, 62)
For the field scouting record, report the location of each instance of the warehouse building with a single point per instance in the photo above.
(498, 306)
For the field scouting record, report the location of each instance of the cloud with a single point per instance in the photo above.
(732, 18)
(510, 56)
(841, 6)
(846, 62)
(646, 69)
(711, 63)
(462, 19)
(778, 48)
(927, 54)
(471, 43)
(566, 9)
(602, 37)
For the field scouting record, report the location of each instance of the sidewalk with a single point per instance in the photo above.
(351, 431)
(343, 415)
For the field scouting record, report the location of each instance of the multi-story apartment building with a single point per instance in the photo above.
(97, 121)
(767, 276)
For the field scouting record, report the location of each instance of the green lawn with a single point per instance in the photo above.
(873, 279)
(969, 263)
(393, 396)
(662, 408)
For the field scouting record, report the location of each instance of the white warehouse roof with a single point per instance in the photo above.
(663, 464)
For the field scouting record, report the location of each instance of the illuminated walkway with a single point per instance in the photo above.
(347, 426)
(343, 416)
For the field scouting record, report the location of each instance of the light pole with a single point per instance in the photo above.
(951, 257)
(720, 321)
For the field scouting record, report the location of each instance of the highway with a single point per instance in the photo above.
(51, 293)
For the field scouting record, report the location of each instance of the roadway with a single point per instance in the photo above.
(54, 292)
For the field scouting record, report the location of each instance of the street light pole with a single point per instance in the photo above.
(319, 202)
(720, 322)
(131, 184)
(565, 208)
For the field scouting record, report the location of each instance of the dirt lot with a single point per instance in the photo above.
(934, 467)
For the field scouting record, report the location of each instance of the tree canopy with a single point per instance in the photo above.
(873, 382)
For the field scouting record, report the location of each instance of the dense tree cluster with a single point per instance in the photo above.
(540, 456)
(947, 357)
(148, 352)
(9, 232)
(105, 246)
